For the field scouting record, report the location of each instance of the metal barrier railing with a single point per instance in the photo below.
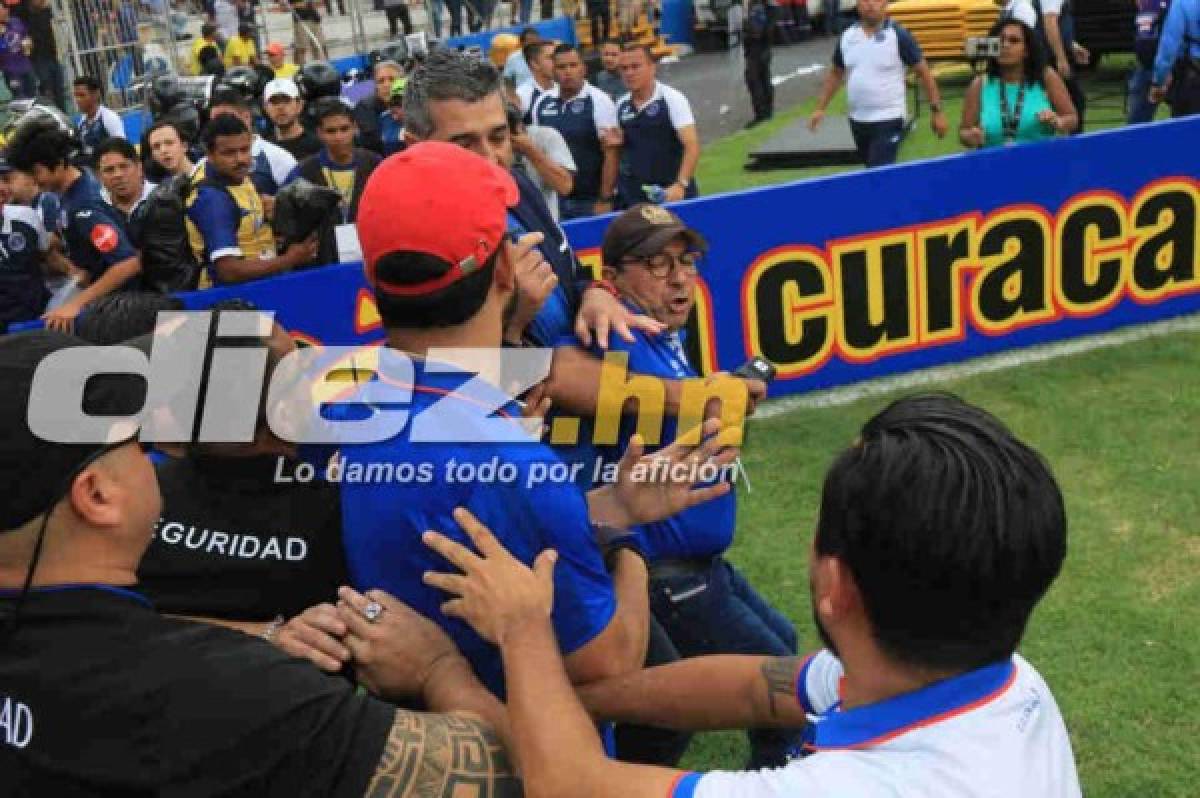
(118, 42)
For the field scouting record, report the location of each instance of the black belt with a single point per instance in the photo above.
(671, 568)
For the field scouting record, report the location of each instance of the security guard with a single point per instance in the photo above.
(227, 228)
(23, 241)
(660, 144)
(587, 120)
(97, 123)
(96, 239)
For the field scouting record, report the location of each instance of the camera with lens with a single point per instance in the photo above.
(983, 46)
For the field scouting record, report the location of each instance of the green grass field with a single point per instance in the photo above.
(721, 164)
(1116, 638)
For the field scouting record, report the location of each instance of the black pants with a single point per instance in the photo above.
(1184, 96)
(547, 9)
(1078, 97)
(647, 745)
(758, 81)
(601, 16)
(878, 143)
(400, 13)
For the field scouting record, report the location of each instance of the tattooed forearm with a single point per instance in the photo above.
(442, 756)
(779, 674)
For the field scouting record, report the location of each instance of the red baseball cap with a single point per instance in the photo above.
(438, 199)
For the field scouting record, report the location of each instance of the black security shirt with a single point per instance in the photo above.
(104, 696)
(236, 543)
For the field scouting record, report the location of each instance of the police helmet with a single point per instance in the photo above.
(318, 79)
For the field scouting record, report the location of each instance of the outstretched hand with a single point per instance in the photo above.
(651, 487)
(495, 593)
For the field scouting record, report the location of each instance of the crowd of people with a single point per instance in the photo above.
(206, 614)
(208, 620)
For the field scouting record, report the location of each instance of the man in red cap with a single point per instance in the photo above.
(432, 223)
(458, 98)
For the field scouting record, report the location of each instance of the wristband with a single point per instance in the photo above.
(612, 539)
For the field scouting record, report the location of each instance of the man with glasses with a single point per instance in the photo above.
(701, 601)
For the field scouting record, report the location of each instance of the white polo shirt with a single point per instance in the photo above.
(995, 732)
(875, 65)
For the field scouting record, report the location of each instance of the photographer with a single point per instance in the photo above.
(1020, 99)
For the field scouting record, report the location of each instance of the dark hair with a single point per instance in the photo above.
(329, 107)
(122, 315)
(50, 148)
(527, 32)
(609, 41)
(565, 48)
(638, 47)
(447, 307)
(208, 29)
(231, 98)
(1035, 58)
(161, 125)
(952, 528)
(120, 147)
(223, 125)
(245, 29)
(446, 74)
(534, 49)
(87, 82)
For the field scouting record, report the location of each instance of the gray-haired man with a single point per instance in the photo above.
(458, 98)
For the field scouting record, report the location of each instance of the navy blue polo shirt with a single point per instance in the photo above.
(580, 120)
(557, 316)
(23, 292)
(383, 521)
(705, 530)
(653, 151)
(92, 229)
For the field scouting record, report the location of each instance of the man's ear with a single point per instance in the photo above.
(93, 497)
(608, 272)
(409, 138)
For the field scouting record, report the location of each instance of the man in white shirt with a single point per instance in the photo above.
(96, 123)
(1064, 53)
(1021, 11)
(872, 57)
(938, 534)
(540, 57)
(660, 146)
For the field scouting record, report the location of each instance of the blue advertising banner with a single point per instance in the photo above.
(845, 278)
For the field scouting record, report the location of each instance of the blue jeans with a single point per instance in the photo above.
(526, 11)
(878, 143)
(714, 610)
(50, 81)
(1141, 110)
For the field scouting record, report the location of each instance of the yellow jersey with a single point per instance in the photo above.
(225, 220)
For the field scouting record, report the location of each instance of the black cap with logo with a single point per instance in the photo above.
(644, 230)
(37, 473)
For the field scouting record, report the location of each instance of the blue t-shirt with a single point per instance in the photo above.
(92, 229)
(705, 530)
(383, 522)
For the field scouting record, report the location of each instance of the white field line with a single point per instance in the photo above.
(923, 378)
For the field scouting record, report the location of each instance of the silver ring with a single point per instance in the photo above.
(372, 611)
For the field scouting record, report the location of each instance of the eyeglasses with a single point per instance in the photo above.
(660, 266)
